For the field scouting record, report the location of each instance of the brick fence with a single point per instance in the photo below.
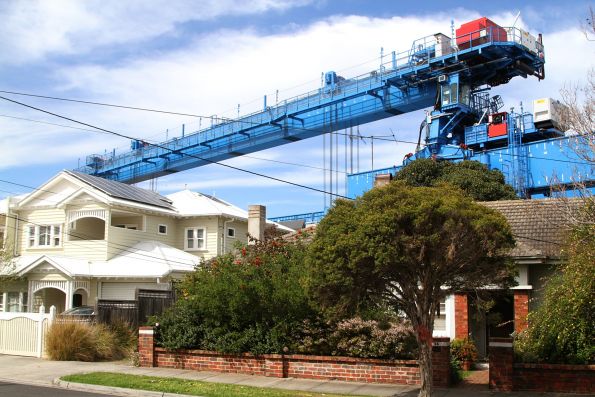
(506, 375)
(405, 372)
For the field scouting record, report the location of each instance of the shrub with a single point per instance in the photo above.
(251, 301)
(463, 350)
(561, 329)
(455, 371)
(71, 341)
(77, 341)
(369, 338)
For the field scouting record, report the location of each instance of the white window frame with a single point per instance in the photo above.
(128, 226)
(195, 239)
(233, 232)
(53, 238)
(441, 314)
(22, 303)
(159, 229)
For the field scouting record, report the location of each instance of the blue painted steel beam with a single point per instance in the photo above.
(403, 85)
(549, 162)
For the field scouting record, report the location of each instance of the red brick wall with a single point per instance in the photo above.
(199, 360)
(521, 309)
(461, 316)
(404, 372)
(505, 375)
(554, 378)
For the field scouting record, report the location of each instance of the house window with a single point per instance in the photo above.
(231, 232)
(440, 317)
(162, 229)
(195, 239)
(16, 302)
(2, 237)
(44, 235)
(1, 302)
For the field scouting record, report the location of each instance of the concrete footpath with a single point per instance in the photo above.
(34, 371)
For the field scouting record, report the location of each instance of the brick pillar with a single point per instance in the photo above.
(521, 309)
(146, 346)
(274, 365)
(461, 316)
(441, 362)
(501, 362)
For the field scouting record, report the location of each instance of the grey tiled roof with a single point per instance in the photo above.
(539, 226)
(124, 191)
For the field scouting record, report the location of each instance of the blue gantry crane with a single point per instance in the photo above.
(451, 75)
(412, 80)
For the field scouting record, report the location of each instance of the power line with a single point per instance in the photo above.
(185, 154)
(26, 186)
(37, 189)
(109, 105)
(90, 130)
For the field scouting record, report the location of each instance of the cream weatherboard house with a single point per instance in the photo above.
(80, 238)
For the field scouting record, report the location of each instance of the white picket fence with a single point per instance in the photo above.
(23, 334)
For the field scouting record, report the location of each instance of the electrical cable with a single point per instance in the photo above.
(49, 191)
(82, 236)
(184, 154)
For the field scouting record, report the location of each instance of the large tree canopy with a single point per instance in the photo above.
(408, 247)
(473, 177)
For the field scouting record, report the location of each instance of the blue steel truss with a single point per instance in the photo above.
(409, 81)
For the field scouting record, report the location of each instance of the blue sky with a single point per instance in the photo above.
(206, 57)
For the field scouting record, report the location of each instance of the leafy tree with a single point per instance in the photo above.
(561, 329)
(473, 177)
(407, 247)
(7, 267)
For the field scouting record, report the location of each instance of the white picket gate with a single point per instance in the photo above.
(23, 334)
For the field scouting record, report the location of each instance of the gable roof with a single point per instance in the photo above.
(189, 203)
(123, 191)
(539, 226)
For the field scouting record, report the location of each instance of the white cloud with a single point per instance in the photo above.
(33, 29)
(214, 72)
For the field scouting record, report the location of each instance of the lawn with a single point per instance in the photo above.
(182, 386)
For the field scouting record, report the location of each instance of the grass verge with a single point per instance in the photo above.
(183, 386)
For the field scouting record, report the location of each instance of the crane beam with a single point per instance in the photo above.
(410, 81)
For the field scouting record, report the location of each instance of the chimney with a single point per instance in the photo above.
(382, 179)
(256, 221)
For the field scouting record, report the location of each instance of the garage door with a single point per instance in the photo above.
(126, 291)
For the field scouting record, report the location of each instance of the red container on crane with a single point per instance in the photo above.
(479, 31)
(498, 125)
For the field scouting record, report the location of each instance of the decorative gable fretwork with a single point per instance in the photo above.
(35, 285)
(78, 284)
(78, 214)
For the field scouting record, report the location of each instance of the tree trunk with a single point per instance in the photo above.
(425, 366)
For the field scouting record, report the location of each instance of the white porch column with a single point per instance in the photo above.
(69, 293)
(30, 297)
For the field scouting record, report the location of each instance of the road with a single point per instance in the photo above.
(16, 390)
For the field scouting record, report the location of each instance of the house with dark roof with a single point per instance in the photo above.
(80, 238)
(539, 228)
